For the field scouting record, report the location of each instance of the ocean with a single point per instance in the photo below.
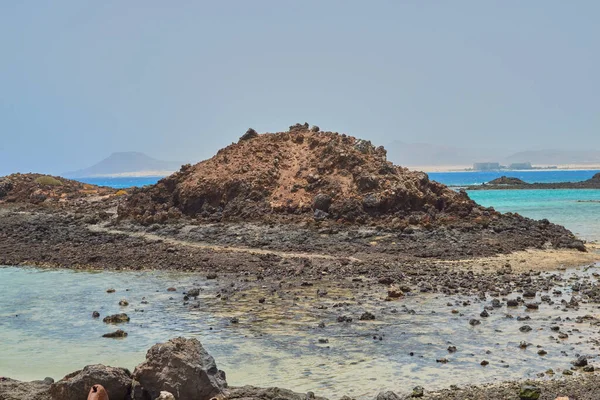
(578, 210)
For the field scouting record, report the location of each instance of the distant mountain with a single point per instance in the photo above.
(426, 154)
(555, 157)
(126, 164)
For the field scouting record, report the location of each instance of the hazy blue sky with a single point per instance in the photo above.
(178, 80)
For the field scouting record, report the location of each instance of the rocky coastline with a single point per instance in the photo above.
(182, 369)
(256, 215)
(511, 183)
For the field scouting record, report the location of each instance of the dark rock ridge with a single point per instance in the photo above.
(506, 182)
(309, 176)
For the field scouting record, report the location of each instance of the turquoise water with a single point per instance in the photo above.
(47, 330)
(121, 183)
(578, 210)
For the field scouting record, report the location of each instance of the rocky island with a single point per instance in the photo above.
(288, 210)
(511, 183)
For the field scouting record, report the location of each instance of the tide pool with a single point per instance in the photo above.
(47, 329)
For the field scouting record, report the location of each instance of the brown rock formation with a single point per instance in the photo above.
(38, 188)
(182, 367)
(300, 175)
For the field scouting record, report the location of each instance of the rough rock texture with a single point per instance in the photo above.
(254, 393)
(75, 386)
(182, 367)
(387, 396)
(320, 178)
(16, 390)
(288, 175)
(38, 188)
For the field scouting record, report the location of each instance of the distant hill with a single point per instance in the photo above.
(126, 164)
(555, 157)
(426, 154)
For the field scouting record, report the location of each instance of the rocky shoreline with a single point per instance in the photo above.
(511, 183)
(182, 369)
(293, 210)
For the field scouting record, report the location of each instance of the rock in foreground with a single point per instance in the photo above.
(182, 367)
(75, 386)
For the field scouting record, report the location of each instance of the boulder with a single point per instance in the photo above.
(580, 362)
(77, 385)
(250, 134)
(182, 367)
(322, 202)
(119, 333)
(116, 319)
(16, 390)
(254, 393)
(387, 396)
(529, 392)
(5, 187)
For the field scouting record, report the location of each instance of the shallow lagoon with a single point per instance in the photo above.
(47, 330)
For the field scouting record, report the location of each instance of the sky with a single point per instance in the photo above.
(179, 80)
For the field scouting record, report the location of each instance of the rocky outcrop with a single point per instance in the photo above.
(324, 179)
(38, 188)
(506, 182)
(182, 367)
(16, 390)
(286, 176)
(76, 386)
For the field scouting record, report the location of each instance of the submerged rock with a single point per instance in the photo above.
(581, 361)
(116, 319)
(119, 333)
(181, 366)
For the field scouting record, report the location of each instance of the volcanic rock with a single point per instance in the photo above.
(38, 188)
(116, 319)
(75, 386)
(324, 177)
(254, 180)
(181, 366)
